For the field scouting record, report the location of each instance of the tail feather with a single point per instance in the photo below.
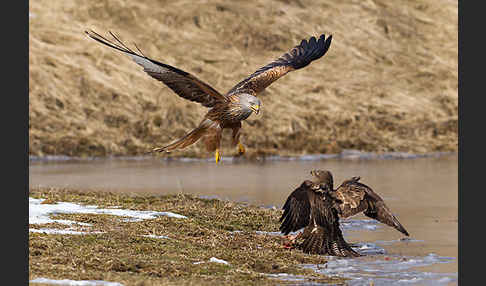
(189, 139)
(313, 243)
(330, 242)
(344, 249)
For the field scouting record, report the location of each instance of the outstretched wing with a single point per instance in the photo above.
(297, 209)
(181, 82)
(377, 209)
(297, 58)
(352, 198)
(357, 197)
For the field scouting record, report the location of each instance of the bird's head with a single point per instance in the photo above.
(324, 178)
(310, 185)
(250, 102)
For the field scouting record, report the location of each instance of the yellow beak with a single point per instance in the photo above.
(255, 108)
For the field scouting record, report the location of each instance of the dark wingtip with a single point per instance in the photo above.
(88, 32)
(401, 229)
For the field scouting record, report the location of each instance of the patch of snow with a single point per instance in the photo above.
(216, 260)
(62, 231)
(39, 213)
(75, 282)
(213, 259)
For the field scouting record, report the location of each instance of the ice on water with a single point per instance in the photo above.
(385, 269)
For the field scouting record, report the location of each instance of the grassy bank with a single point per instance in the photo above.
(124, 255)
(388, 82)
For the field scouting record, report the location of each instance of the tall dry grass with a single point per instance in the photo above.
(387, 83)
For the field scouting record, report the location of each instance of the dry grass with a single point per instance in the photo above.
(123, 255)
(388, 82)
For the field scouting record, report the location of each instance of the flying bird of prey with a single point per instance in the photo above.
(314, 210)
(225, 110)
(355, 197)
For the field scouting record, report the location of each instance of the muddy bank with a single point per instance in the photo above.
(345, 155)
(387, 84)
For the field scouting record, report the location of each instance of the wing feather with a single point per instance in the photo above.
(357, 197)
(297, 58)
(297, 210)
(382, 213)
(182, 83)
(352, 197)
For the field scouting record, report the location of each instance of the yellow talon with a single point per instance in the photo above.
(217, 156)
(241, 149)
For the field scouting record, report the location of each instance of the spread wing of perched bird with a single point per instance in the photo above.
(314, 211)
(355, 197)
(225, 110)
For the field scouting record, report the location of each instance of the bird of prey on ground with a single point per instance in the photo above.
(317, 207)
(356, 197)
(314, 210)
(225, 110)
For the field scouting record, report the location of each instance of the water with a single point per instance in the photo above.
(422, 193)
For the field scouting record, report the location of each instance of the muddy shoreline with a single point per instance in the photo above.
(345, 155)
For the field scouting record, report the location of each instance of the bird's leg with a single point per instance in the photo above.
(241, 149)
(217, 156)
(236, 139)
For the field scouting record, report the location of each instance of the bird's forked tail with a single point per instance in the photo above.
(188, 139)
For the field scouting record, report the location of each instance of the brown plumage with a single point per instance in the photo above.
(228, 110)
(315, 211)
(355, 197)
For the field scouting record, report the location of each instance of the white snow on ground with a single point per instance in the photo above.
(61, 231)
(75, 282)
(216, 260)
(39, 213)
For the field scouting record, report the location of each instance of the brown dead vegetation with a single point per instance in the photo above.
(121, 253)
(388, 82)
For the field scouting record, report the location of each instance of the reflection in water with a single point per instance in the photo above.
(421, 192)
